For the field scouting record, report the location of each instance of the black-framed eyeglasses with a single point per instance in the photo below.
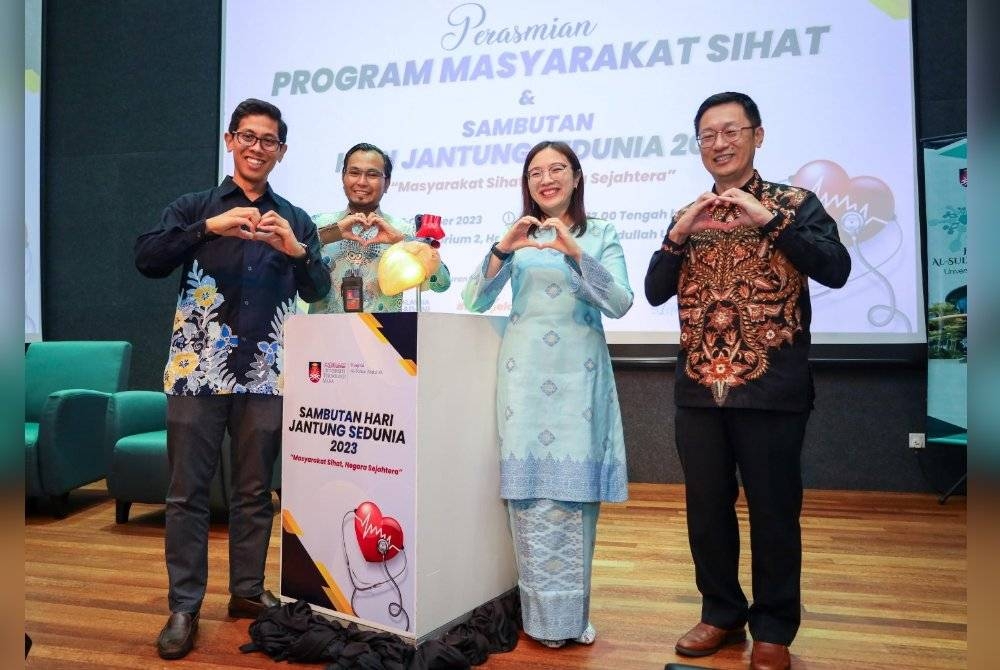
(707, 138)
(248, 139)
(356, 173)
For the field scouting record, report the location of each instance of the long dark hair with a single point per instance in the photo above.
(577, 212)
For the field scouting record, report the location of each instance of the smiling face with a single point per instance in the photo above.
(551, 180)
(363, 189)
(730, 162)
(252, 165)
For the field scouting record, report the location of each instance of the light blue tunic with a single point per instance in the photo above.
(557, 406)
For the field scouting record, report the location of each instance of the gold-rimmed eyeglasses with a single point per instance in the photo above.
(707, 138)
(554, 171)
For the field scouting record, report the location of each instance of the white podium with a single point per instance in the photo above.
(391, 514)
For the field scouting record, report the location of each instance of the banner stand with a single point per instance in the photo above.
(945, 181)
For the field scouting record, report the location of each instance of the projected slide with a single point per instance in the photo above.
(457, 92)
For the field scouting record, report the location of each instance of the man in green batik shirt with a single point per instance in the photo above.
(353, 239)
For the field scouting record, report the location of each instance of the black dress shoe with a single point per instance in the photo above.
(250, 608)
(177, 637)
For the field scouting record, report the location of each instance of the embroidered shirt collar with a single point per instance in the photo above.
(754, 185)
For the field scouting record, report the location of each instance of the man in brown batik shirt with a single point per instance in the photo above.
(738, 259)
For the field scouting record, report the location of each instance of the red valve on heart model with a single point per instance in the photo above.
(429, 229)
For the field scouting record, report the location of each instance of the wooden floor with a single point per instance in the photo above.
(884, 586)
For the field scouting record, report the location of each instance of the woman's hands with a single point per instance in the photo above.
(551, 233)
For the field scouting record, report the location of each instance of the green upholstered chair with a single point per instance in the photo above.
(67, 387)
(138, 470)
(136, 441)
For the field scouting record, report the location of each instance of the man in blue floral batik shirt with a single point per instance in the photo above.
(244, 252)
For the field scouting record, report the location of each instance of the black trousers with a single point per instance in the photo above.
(196, 426)
(765, 446)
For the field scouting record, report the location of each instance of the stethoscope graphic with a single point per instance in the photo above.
(853, 223)
(358, 585)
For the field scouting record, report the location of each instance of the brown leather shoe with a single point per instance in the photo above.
(250, 608)
(177, 637)
(769, 656)
(705, 639)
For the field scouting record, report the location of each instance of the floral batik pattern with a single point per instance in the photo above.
(201, 345)
(346, 256)
(738, 296)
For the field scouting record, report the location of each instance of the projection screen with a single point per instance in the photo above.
(457, 92)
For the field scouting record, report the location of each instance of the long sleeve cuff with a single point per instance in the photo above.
(592, 282)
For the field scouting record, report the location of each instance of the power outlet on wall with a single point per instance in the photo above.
(917, 441)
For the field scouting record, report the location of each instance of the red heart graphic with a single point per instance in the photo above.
(380, 538)
(827, 180)
(861, 206)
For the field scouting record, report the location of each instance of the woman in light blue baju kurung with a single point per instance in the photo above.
(562, 450)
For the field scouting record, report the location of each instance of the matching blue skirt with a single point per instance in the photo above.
(554, 543)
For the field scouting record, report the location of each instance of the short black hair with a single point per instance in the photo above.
(252, 106)
(365, 146)
(749, 106)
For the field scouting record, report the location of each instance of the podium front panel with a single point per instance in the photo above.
(391, 513)
(349, 466)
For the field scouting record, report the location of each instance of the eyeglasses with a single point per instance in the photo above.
(555, 171)
(707, 138)
(248, 139)
(371, 175)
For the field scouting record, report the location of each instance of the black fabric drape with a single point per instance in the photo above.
(293, 632)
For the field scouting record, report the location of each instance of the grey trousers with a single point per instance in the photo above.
(196, 426)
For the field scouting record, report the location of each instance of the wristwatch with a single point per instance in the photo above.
(502, 255)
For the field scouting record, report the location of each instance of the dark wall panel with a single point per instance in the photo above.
(856, 437)
(131, 106)
(939, 61)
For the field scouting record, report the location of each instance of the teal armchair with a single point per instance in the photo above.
(67, 387)
(136, 446)
(136, 442)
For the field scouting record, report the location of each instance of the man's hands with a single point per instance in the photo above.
(237, 222)
(358, 227)
(250, 224)
(709, 212)
(277, 232)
